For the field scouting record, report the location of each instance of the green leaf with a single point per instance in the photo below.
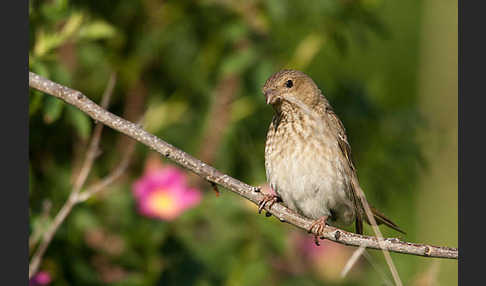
(80, 122)
(306, 51)
(162, 114)
(35, 101)
(47, 41)
(84, 219)
(38, 67)
(241, 108)
(238, 62)
(235, 31)
(97, 30)
(52, 109)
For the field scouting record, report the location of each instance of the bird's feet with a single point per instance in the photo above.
(318, 225)
(267, 199)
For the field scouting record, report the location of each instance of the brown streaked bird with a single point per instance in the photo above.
(308, 158)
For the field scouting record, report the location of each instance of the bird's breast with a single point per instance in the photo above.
(303, 169)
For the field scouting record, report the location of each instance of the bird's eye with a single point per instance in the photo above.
(289, 83)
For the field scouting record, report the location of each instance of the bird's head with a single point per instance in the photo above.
(291, 87)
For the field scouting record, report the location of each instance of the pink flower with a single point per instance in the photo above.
(41, 278)
(162, 193)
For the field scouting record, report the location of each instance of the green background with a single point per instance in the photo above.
(195, 69)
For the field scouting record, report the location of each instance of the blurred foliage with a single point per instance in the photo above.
(170, 58)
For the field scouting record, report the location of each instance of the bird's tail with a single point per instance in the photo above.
(382, 219)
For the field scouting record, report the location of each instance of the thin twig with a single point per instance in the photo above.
(91, 154)
(113, 176)
(106, 98)
(44, 217)
(93, 150)
(352, 260)
(209, 173)
(369, 258)
(377, 232)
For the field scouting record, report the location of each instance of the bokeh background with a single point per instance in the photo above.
(194, 71)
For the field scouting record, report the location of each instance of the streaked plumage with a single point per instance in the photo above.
(307, 155)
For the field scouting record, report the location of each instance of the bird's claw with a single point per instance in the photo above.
(318, 227)
(271, 199)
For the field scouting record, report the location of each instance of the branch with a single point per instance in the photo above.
(44, 219)
(72, 200)
(113, 176)
(209, 173)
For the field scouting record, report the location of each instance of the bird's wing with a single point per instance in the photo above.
(346, 149)
(342, 139)
(341, 136)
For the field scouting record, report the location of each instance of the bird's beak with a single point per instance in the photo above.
(271, 96)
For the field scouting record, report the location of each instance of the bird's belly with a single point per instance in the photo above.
(314, 185)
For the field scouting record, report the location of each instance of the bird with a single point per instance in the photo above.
(308, 161)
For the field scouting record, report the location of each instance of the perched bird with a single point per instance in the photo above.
(308, 158)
